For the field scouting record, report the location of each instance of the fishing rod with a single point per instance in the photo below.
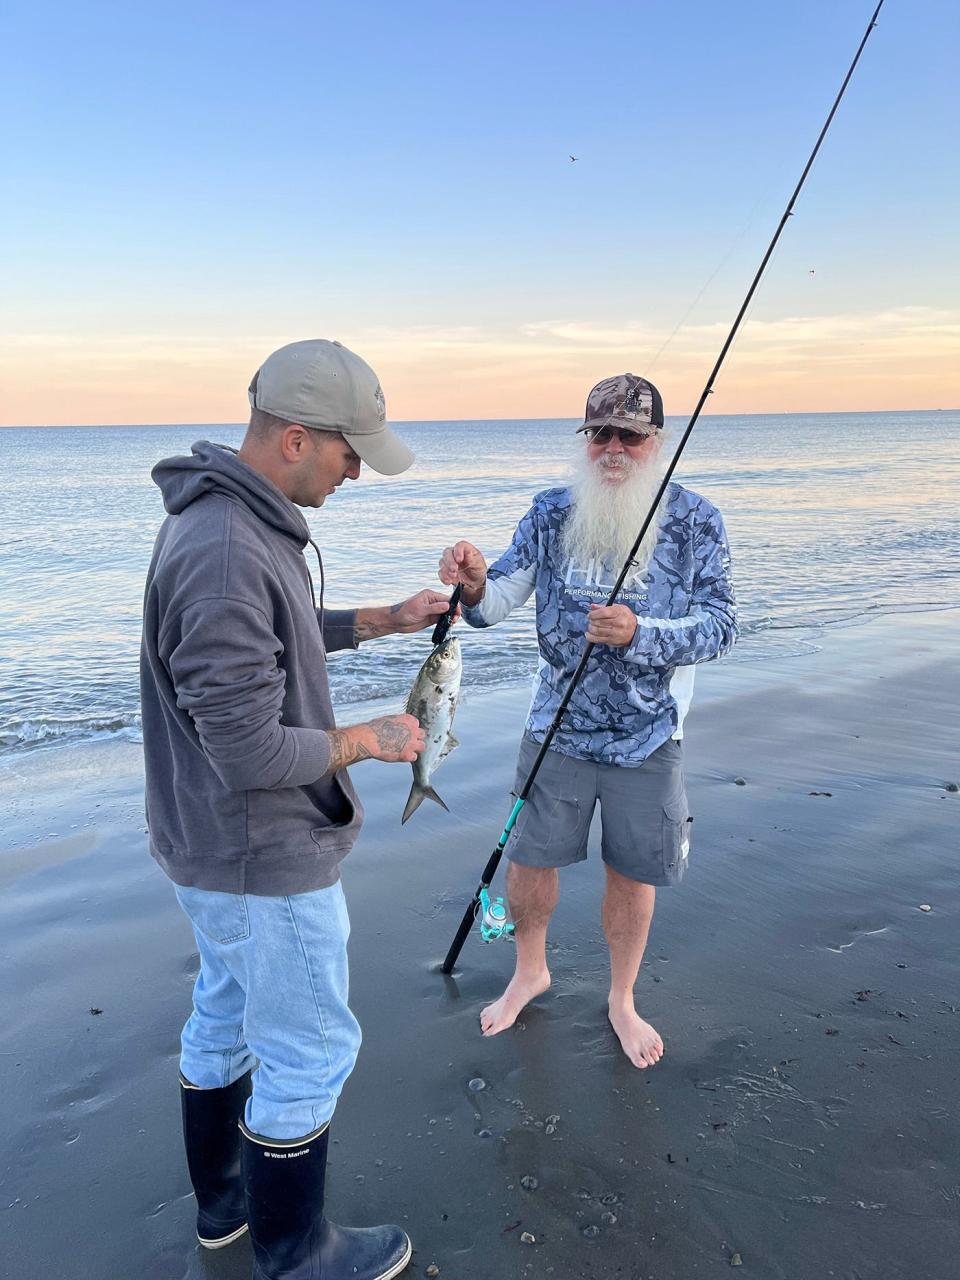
(493, 862)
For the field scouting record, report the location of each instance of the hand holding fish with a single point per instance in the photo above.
(613, 624)
(464, 563)
(396, 739)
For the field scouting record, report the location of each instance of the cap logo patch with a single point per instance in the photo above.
(381, 403)
(633, 402)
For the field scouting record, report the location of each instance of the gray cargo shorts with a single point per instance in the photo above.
(643, 813)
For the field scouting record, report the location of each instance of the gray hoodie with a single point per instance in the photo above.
(235, 700)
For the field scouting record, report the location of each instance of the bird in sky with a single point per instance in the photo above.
(573, 159)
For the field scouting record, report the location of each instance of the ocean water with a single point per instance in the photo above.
(831, 518)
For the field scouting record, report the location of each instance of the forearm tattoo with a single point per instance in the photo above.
(379, 624)
(343, 752)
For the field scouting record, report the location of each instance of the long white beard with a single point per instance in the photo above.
(606, 518)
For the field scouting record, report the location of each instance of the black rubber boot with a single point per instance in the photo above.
(211, 1136)
(291, 1238)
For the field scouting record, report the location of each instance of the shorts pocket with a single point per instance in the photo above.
(676, 838)
(220, 917)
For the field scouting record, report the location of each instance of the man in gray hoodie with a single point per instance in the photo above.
(250, 808)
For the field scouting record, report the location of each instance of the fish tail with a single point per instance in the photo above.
(416, 798)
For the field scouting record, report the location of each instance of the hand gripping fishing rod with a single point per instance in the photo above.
(493, 862)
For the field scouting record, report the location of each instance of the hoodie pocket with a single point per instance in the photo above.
(347, 813)
(291, 819)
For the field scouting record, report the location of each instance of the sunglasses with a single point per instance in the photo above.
(629, 439)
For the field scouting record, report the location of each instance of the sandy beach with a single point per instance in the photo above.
(803, 1122)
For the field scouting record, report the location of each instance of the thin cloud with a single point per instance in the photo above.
(893, 358)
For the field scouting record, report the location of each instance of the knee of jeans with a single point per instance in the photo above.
(339, 1040)
(293, 1052)
(355, 1041)
(215, 1068)
(214, 1032)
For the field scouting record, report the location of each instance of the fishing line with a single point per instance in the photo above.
(760, 201)
(494, 860)
(652, 364)
(748, 313)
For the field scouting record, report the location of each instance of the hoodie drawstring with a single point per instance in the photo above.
(319, 608)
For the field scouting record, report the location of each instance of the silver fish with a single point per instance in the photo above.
(433, 700)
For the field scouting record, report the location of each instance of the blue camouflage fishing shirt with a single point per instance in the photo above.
(630, 700)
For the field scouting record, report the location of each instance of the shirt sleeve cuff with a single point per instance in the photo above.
(339, 629)
(639, 647)
(472, 614)
(311, 760)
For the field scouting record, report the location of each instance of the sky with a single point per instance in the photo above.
(188, 186)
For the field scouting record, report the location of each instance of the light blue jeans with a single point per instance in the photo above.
(272, 995)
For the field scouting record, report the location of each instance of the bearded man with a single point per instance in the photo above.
(619, 743)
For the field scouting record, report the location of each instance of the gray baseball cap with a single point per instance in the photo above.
(321, 384)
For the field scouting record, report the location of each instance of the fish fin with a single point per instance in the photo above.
(451, 744)
(429, 791)
(414, 801)
(416, 798)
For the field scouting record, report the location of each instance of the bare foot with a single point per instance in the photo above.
(503, 1013)
(639, 1041)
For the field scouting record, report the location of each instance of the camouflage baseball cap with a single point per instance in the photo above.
(624, 401)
